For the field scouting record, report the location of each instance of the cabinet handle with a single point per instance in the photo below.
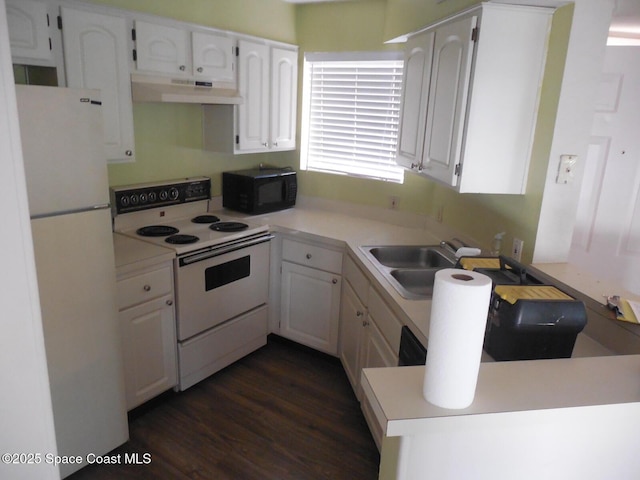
(365, 323)
(169, 302)
(359, 313)
(414, 166)
(199, 69)
(275, 144)
(334, 281)
(265, 144)
(182, 68)
(308, 255)
(128, 153)
(147, 288)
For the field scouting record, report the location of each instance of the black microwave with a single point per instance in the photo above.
(259, 190)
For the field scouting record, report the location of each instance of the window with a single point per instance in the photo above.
(350, 116)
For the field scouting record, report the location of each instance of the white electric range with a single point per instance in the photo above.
(221, 270)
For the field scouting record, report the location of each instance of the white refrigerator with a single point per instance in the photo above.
(67, 186)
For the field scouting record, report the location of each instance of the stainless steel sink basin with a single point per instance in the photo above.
(416, 282)
(410, 269)
(409, 256)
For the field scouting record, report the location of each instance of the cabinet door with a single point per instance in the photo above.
(415, 92)
(213, 57)
(162, 49)
(253, 83)
(284, 87)
(29, 30)
(95, 51)
(352, 318)
(450, 72)
(310, 307)
(376, 352)
(149, 346)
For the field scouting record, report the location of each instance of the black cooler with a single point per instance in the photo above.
(527, 320)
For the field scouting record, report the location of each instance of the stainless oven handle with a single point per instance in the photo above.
(216, 252)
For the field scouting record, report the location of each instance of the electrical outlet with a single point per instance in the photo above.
(516, 249)
(393, 202)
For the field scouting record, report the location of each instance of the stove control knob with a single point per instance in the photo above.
(134, 199)
(143, 198)
(124, 201)
(152, 196)
(163, 195)
(173, 193)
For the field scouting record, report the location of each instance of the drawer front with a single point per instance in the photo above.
(357, 279)
(387, 322)
(312, 256)
(144, 287)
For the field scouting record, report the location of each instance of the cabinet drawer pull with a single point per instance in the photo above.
(182, 68)
(169, 302)
(365, 323)
(147, 288)
(359, 313)
(334, 281)
(199, 69)
(308, 255)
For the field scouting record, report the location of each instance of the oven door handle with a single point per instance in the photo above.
(217, 251)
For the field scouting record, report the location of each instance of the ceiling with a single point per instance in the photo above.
(625, 25)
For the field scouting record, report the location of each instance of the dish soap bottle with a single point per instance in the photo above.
(496, 244)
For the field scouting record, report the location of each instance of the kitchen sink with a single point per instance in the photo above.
(409, 256)
(410, 269)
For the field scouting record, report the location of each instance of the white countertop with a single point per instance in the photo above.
(355, 231)
(506, 387)
(134, 254)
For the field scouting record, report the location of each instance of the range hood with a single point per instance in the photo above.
(151, 88)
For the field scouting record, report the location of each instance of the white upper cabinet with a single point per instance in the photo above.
(268, 83)
(213, 56)
(162, 49)
(253, 86)
(181, 52)
(96, 56)
(29, 30)
(470, 102)
(415, 87)
(284, 82)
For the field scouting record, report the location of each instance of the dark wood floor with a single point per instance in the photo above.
(283, 412)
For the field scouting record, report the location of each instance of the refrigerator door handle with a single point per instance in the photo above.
(76, 210)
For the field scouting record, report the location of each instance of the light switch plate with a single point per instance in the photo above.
(566, 168)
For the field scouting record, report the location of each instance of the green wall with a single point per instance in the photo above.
(366, 25)
(169, 137)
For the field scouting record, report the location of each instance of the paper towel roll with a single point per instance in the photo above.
(459, 309)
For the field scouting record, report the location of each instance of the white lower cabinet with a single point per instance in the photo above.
(369, 331)
(369, 335)
(310, 295)
(147, 320)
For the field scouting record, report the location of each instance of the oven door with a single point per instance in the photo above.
(215, 286)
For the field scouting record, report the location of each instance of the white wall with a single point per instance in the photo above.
(573, 127)
(26, 416)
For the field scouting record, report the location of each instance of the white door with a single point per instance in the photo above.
(149, 349)
(446, 106)
(162, 49)
(29, 30)
(213, 57)
(352, 316)
(96, 56)
(284, 87)
(415, 92)
(253, 81)
(606, 238)
(310, 307)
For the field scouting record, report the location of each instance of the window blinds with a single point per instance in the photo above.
(352, 114)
